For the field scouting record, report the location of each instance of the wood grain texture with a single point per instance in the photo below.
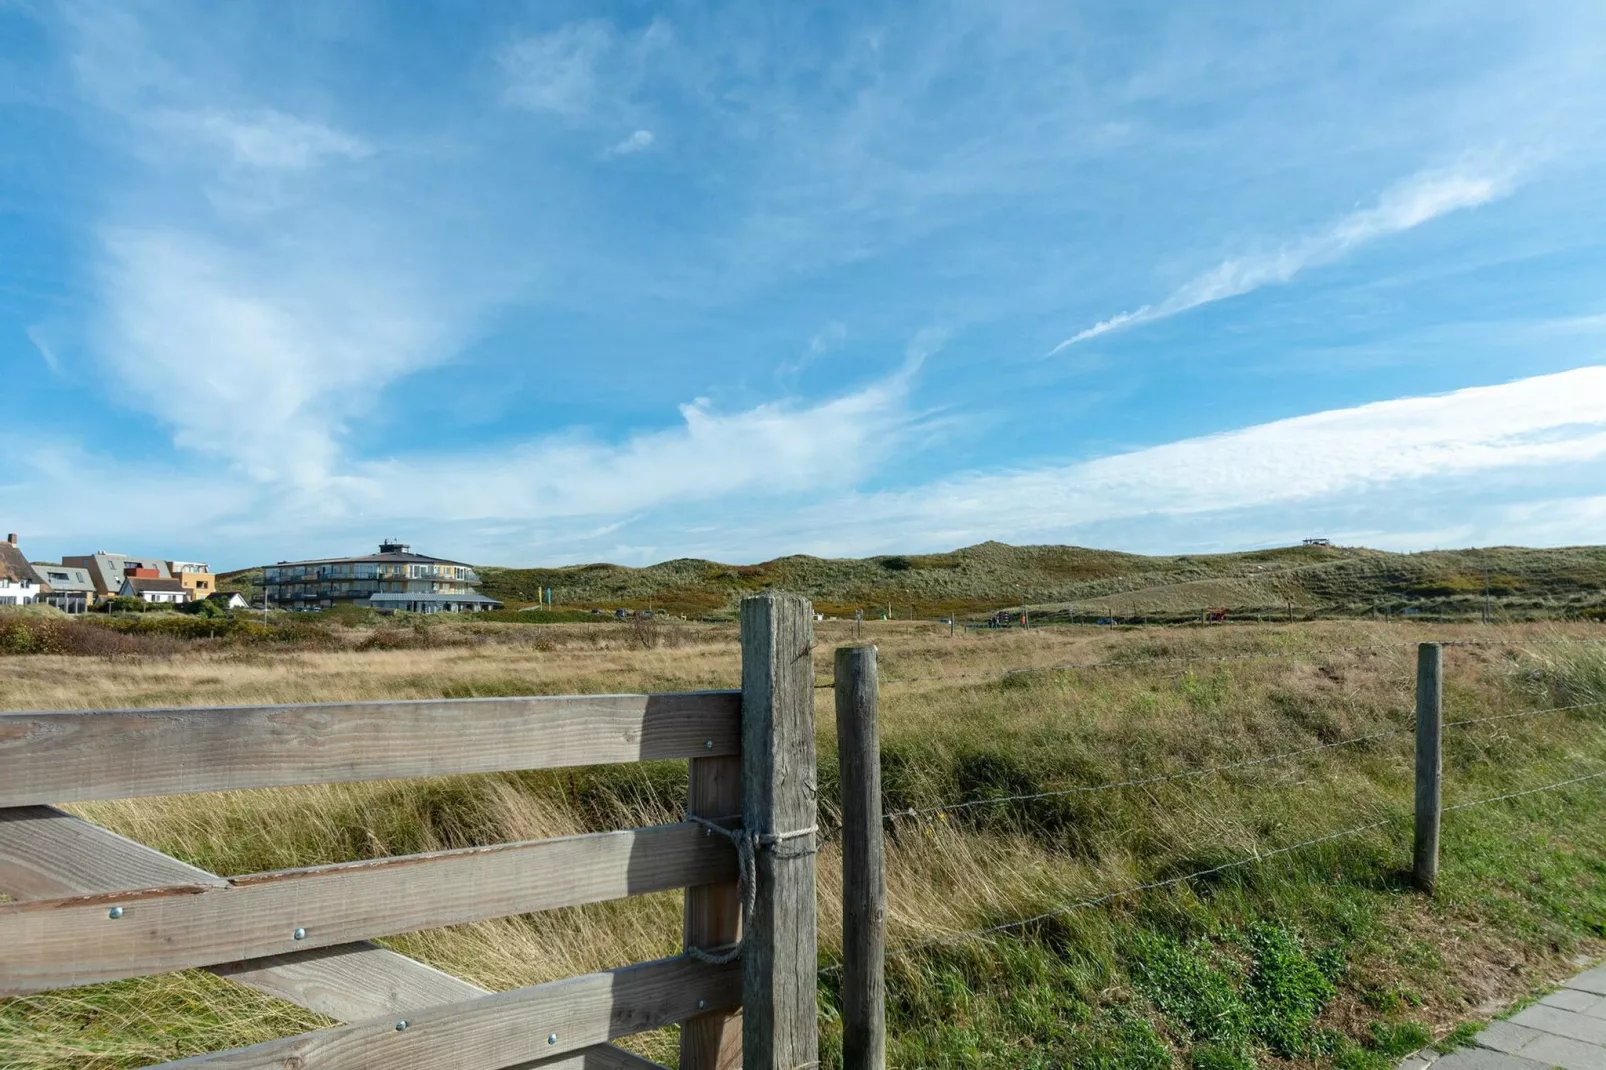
(864, 867)
(45, 853)
(60, 943)
(713, 918)
(505, 1029)
(1429, 765)
(54, 757)
(779, 789)
(599, 1057)
(351, 982)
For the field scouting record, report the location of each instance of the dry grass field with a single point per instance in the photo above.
(1314, 957)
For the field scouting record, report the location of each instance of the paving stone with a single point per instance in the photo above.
(1563, 1023)
(1592, 981)
(1567, 1053)
(1566, 1030)
(1503, 1036)
(1574, 999)
(1483, 1059)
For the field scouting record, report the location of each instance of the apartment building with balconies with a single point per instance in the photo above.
(393, 579)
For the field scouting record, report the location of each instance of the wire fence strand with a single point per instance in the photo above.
(913, 813)
(1117, 663)
(951, 939)
(1530, 791)
(1098, 900)
(1190, 659)
(1186, 774)
(1522, 713)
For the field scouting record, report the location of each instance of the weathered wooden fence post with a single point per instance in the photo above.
(713, 918)
(1429, 763)
(779, 790)
(864, 876)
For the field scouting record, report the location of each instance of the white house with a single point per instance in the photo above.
(228, 600)
(154, 590)
(19, 585)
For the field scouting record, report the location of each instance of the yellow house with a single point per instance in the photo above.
(196, 576)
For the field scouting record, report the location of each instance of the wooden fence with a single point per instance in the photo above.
(90, 906)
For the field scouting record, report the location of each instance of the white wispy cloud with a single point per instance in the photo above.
(1543, 422)
(778, 478)
(265, 137)
(712, 470)
(771, 450)
(1409, 204)
(558, 72)
(36, 335)
(636, 142)
(258, 358)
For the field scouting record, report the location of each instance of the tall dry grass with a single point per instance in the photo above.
(954, 729)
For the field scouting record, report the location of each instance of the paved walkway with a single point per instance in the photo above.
(1567, 1029)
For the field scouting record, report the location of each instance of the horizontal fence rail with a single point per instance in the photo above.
(505, 1029)
(68, 756)
(59, 943)
(45, 853)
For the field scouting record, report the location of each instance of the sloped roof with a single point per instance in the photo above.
(63, 577)
(15, 567)
(141, 584)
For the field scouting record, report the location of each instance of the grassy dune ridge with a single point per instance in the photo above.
(1311, 580)
(1321, 956)
(1308, 581)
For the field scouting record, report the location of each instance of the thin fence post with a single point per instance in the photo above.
(779, 789)
(864, 876)
(1429, 763)
(713, 918)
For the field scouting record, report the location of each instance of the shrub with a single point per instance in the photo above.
(25, 635)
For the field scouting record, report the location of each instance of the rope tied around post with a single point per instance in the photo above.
(747, 846)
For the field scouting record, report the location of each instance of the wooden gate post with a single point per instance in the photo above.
(779, 789)
(713, 918)
(1429, 763)
(864, 866)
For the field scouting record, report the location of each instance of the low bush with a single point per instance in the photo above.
(154, 634)
(34, 635)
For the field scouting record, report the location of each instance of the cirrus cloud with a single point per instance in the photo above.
(1408, 204)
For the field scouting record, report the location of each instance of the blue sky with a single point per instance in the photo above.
(546, 282)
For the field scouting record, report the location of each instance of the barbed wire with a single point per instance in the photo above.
(1248, 860)
(1518, 642)
(1523, 713)
(1067, 908)
(1141, 781)
(1189, 659)
(1179, 659)
(1530, 791)
(894, 814)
